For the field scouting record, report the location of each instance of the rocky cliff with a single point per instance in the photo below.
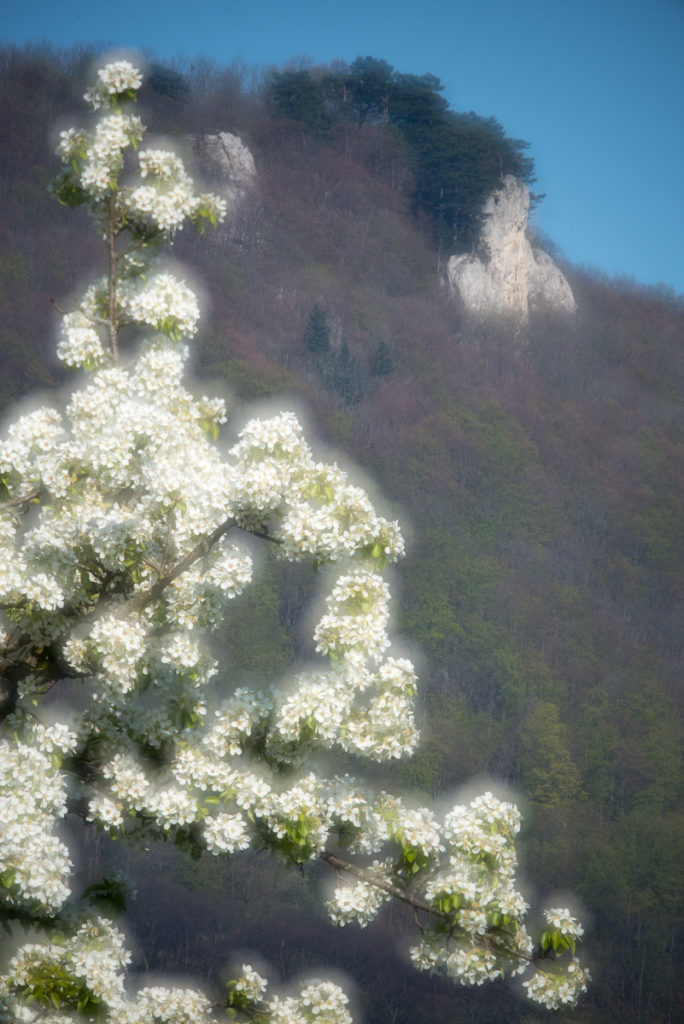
(512, 276)
(230, 163)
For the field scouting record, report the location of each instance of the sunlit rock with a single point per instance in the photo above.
(231, 164)
(510, 276)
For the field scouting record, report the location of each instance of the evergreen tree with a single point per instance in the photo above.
(317, 332)
(298, 96)
(382, 363)
(458, 159)
(371, 83)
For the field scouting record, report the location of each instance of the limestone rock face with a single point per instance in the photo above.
(231, 163)
(514, 277)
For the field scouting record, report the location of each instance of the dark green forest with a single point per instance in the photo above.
(538, 471)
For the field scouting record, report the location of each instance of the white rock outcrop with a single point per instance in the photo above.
(514, 277)
(231, 164)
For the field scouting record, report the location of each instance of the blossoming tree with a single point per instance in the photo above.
(120, 526)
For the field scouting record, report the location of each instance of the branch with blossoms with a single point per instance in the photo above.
(132, 552)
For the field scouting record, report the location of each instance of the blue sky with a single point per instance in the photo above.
(596, 87)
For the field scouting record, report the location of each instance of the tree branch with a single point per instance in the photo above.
(495, 942)
(111, 282)
(145, 597)
(13, 661)
(368, 875)
(21, 499)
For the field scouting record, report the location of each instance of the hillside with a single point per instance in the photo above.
(539, 471)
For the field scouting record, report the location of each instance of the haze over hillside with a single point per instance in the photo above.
(540, 468)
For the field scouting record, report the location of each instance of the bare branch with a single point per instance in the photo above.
(21, 499)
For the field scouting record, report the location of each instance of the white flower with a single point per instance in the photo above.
(105, 154)
(166, 196)
(226, 833)
(562, 921)
(119, 644)
(129, 782)
(105, 811)
(172, 806)
(555, 990)
(251, 984)
(360, 901)
(418, 829)
(54, 738)
(177, 1006)
(357, 616)
(163, 302)
(114, 79)
(34, 863)
(80, 344)
(319, 1001)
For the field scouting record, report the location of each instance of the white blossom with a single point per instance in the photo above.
(555, 990)
(320, 1001)
(361, 900)
(81, 345)
(250, 983)
(34, 862)
(163, 302)
(562, 921)
(106, 812)
(226, 833)
(115, 78)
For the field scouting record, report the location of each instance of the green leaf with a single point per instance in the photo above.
(210, 428)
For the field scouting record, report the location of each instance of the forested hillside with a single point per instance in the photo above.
(539, 472)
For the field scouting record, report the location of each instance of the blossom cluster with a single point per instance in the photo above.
(87, 966)
(34, 863)
(165, 197)
(475, 887)
(250, 983)
(319, 512)
(162, 302)
(562, 921)
(113, 80)
(360, 901)
(80, 344)
(162, 198)
(319, 1002)
(554, 990)
(86, 963)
